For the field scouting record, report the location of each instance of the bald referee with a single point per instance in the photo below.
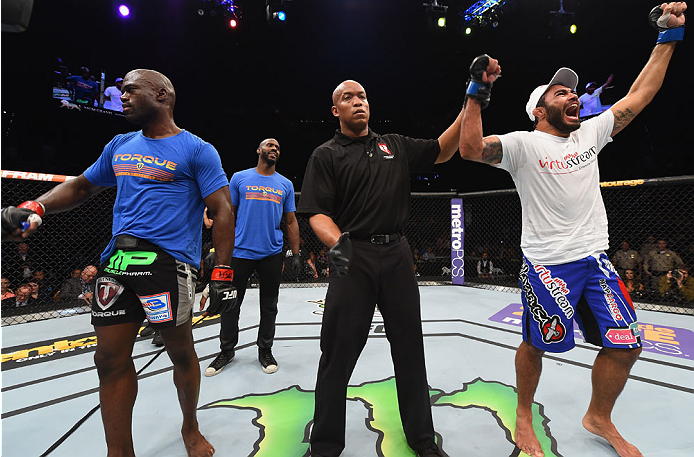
(356, 193)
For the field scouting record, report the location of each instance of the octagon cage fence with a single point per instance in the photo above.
(477, 239)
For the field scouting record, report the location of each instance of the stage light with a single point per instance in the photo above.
(124, 11)
(468, 30)
(435, 15)
(573, 29)
(483, 13)
(233, 23)
(276, 11)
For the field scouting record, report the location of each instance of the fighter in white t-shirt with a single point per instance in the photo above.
(566, 275)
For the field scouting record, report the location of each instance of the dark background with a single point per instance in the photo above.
(237, 87)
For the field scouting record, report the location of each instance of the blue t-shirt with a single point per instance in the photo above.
(261, 201)
(161, 186)
(85, 89)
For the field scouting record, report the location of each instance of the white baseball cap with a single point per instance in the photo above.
(564, 76)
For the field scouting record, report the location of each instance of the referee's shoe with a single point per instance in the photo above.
(267, 361)
(219, 362)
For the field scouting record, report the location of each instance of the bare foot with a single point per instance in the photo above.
(608, 431)
(525, 436)
(196, 444)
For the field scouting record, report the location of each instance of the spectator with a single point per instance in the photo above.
(80, 291)
(17, 264)
(590, 100)
(112, 95)
(45, 287)
(485, 267)
(648, 247)
(6, 289)
(678, 286)
(310, 266)
(85, 89)
(660, 262)
(633, 286)
(626, 259)
(21, 299)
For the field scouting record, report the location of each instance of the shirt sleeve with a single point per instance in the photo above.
(318, 189)
(511, 146)
(209, 173)
(421, 153)
(289, 200)
(234, 189)
(101, 173)
(602, 127)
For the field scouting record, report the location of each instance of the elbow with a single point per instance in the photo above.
(469, 150)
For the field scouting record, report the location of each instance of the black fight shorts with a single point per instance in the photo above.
(140, 280)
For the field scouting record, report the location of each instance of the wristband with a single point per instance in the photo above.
(36, 207)
(676, 34)
(222, 273)
(474, 87)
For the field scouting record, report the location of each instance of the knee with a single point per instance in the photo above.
(111, 364)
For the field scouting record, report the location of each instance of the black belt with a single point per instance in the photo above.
(382, 238)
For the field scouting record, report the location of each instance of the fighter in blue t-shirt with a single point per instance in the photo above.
(260, 198)
(165, 177)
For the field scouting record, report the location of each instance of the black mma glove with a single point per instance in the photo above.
(20, 217)
(476, 87)
(659, 20)
(340, 254)
(292, 263)
(222, 291)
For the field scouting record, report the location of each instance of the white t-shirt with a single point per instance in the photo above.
(113, 103)
(558, 182)
(590, 103)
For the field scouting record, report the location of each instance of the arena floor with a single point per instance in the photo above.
(49, 383)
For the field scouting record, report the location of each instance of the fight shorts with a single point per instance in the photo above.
(141, 280)
(587, 291)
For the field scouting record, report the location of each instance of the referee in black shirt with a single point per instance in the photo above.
(356, 193)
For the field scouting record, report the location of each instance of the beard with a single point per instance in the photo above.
(268, 160)
(555, 118)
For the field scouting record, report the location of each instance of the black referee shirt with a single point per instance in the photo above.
(363, 183)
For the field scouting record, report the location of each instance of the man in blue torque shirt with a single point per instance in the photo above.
(165, 178)
(260, 197)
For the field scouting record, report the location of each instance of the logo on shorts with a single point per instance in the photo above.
(120, 261)
(622, 335)
(107, 291)
(552, 329)
(612, 304)
(157, 307)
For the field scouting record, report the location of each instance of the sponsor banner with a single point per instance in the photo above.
(661, 339)
(34, 176)
(457, 242)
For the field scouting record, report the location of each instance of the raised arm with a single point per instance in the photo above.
(473, 144)
(448, 141)
(649, 81)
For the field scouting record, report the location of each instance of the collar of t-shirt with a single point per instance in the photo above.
(344, 140)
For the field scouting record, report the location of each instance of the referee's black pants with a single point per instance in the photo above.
(382, 274)
(269, 271)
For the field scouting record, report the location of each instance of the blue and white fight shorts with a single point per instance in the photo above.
(588, 291)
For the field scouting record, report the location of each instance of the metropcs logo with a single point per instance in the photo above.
(283, 417)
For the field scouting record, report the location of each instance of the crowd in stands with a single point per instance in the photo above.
(27, 287)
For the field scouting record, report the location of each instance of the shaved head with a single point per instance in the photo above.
(154, 80)
(337, 93)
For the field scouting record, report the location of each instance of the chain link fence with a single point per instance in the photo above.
(637, 211)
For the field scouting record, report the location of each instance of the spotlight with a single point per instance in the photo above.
(435, 15)
(276, 11)
(233, 23)
(562, 21)
(124, 11)
(573, 29)
(483, 13)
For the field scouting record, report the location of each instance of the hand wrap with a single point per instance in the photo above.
(476, 87)
(659, 21)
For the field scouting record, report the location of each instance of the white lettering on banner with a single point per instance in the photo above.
(457, 242)
(34, 176)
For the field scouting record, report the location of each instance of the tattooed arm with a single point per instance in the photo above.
(644, 88)
(473, 145)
